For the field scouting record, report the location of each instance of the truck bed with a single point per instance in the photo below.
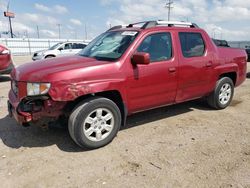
(234, 57)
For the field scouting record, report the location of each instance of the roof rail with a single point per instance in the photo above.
(117, 27)
(144, 23)
(129, 25)
(150, 24)
(176, 23)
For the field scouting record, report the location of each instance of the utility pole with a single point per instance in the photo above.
(169, 7)
(38, 34)
(9, 15)
(214, 33)
(59, 30)
(75, 34)
(11, 31)
(26, 34)
(86, 33)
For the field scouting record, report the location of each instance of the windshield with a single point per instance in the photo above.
(55, 46)
(109, 46)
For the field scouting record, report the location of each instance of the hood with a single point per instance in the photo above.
(39, 51)
(54, 69)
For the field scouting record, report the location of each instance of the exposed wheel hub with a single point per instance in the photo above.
(225, 93)
(98, 124)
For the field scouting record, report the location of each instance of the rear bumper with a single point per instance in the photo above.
(8, 69)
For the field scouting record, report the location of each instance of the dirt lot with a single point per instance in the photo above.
(186, 145)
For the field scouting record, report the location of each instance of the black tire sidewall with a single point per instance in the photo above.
(219, 84)
(87, 108)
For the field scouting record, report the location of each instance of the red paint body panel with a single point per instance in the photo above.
(196, 75)
(142, 86)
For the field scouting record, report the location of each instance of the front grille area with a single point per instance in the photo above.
(14, 86)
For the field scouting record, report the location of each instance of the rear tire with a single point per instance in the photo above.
(222, 96)
(94, 123)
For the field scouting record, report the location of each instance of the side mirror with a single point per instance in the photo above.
(141, 58)
(60, 49)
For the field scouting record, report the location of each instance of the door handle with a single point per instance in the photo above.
(209, 64)
(172, 69)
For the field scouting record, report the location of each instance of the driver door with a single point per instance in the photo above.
(66, 49)
(154, 84)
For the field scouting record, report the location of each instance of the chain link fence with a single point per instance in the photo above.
(27, 46)
(239, 44)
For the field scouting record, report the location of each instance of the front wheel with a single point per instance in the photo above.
(94, 123)
(223, 94)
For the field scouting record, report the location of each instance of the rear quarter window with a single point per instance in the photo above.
(192, 44)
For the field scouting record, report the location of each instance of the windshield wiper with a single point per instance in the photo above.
(99, 58)
(82, 55)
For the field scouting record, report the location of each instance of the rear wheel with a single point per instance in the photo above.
(94, 123)
(223, 94)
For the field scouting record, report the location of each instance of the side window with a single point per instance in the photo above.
(75, 46)
(159, 46)
(78, 46)
(192, 44)
(67, 46)
(81, 46)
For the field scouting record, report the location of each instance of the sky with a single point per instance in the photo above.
(81, 19)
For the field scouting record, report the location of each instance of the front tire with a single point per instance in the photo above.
(94, 123)
(223, 94)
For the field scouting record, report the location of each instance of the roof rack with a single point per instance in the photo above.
(149, 24)
(117, 27)
(176, 23)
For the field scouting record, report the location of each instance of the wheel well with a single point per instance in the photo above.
(113, 95)
(50, 55)
(231, 75)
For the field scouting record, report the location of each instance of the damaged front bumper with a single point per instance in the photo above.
(38, 110)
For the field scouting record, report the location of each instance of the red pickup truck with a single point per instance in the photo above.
(123, 71)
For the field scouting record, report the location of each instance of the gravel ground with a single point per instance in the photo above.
(185, 145)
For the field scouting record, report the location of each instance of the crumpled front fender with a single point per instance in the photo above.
(66, 91)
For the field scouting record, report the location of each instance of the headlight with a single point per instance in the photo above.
(37, 88)
(40, 53)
